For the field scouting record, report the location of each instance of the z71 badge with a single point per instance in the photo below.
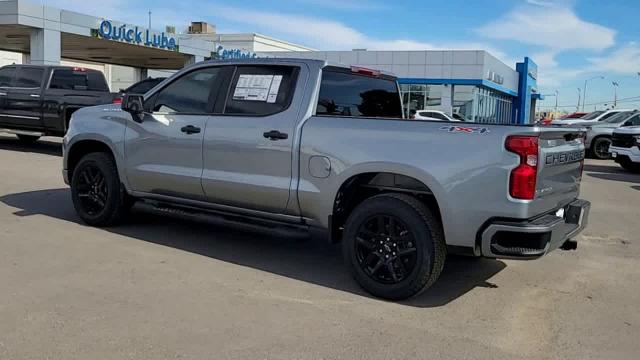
(465, 129)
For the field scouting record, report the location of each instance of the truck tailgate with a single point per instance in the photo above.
(560, 165)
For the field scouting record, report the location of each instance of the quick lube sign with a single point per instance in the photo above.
(136, 36)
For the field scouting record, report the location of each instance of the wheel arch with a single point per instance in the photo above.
(82, 147)
(366, 182)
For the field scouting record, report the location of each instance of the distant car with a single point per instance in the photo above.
(434, 115)
(598, 139)
(593, 117)
(575, 115)
(141, 87)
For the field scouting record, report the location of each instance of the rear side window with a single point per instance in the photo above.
(6, 76)
(78, 79)
(188, 94)
(348, 94)
(29, 77)
(261, 90)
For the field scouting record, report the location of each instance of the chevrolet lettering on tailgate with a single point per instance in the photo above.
(564, 158)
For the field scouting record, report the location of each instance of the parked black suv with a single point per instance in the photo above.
(38, 100)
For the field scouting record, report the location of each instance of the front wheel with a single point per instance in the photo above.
(96, 191)
(600, 148)
(394, 246)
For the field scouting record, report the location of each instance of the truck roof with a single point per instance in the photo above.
(273, 60)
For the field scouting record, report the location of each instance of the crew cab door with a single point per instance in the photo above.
(163, 153)
(23, 104)
(248, 145)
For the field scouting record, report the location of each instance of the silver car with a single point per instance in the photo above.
(598, 138)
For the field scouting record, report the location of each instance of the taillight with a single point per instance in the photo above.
(117, 101)
(522, 183)
(365, 71)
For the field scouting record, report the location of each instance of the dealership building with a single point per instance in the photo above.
(472, 83)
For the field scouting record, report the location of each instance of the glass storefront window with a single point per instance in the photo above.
(473, 103)
(420, 97)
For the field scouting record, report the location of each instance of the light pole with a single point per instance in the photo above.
(555, 112)
(615, 93)
(584, 91)
(578, 106)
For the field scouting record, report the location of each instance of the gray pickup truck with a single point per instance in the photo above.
(304, 144)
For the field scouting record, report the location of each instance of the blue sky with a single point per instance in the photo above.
(571, 40)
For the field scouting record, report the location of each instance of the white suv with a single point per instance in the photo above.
(434, 115)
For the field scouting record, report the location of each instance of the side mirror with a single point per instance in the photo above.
(134, 105)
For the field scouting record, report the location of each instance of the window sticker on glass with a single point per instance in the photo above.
(255, 87)
(273, 90)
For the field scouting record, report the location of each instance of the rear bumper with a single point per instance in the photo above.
(534, 238)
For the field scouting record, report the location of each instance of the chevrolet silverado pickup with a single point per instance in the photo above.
(38, 100)
(308, 145)
(625, 147)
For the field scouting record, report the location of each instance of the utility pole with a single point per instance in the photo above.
(615, 94)
(149, 20)
(555, 112)
(578, 106)
(584, 91)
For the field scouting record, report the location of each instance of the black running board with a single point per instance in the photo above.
(231, 220)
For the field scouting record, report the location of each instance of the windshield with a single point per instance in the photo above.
(618, 118)
(592, 115)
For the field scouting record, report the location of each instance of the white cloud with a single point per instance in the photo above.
(332, 35)
(551, 25)
(625, 60)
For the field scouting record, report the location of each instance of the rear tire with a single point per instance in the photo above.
(27, 139)
(96, 191)
(600, 148)
(396, 257)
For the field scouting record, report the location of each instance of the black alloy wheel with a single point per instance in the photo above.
(92, 190)
(96, 191)
(394, 245)
(601, 148)
(385, 249)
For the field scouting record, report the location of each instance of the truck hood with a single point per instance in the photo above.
(632, 130)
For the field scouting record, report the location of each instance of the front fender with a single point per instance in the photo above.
(103, 124)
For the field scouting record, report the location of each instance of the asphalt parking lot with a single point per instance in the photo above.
(159, 288)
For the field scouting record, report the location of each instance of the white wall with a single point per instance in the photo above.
(9, 58)
(455, 64)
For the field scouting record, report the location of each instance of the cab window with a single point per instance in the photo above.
(6, 76)
(261, 90)
(29, 77)
(189, 94)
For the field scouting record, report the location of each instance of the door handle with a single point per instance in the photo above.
(3, 94)
(34, 95)
(275, 135)
(190, 129)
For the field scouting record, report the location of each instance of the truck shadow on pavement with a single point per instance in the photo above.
(307, 259)
(44, 147)
(612, 172)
